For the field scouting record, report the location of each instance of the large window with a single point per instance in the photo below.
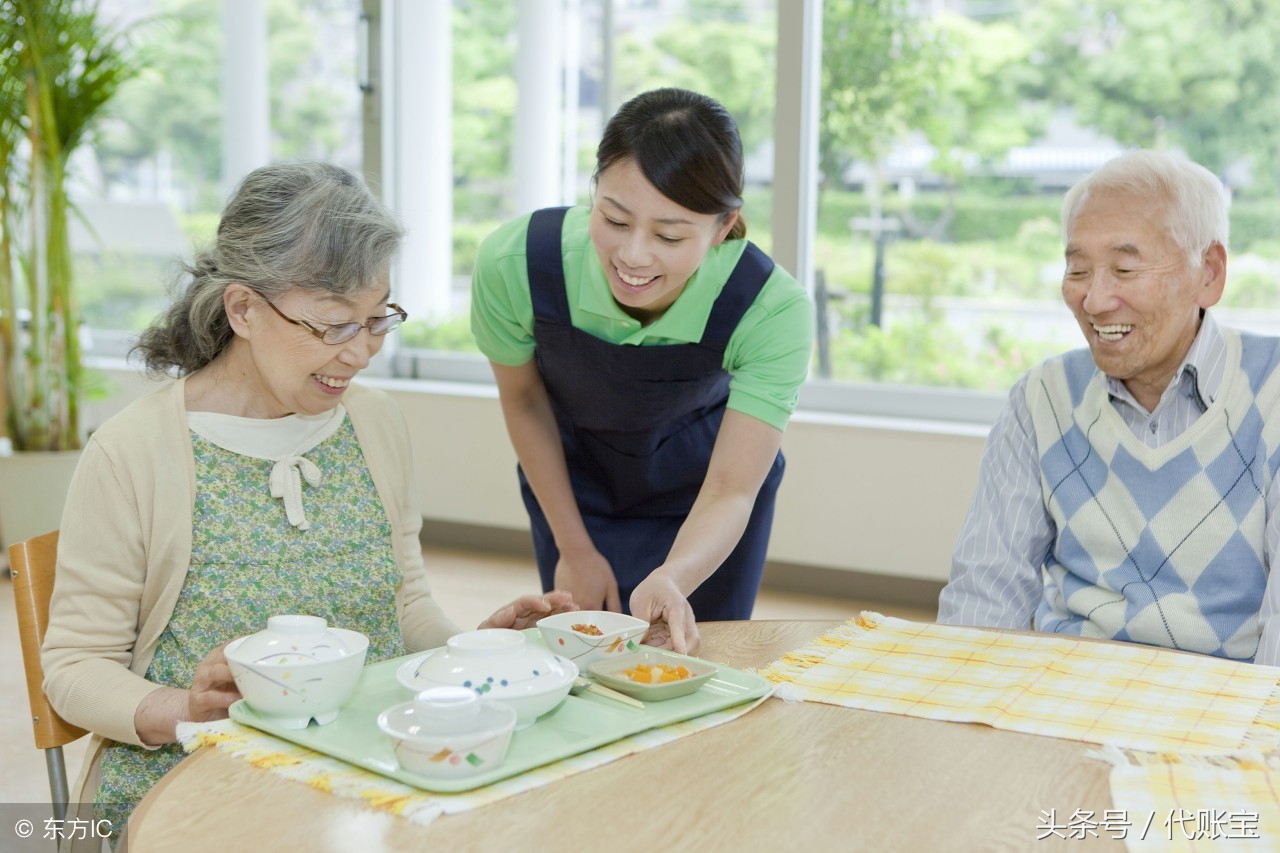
(151, 185)
(946, 135)
(949, 134)
(609, 50)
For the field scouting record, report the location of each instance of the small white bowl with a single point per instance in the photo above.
(619, 634)
(298, 669)
(448, 733)
(496, 663)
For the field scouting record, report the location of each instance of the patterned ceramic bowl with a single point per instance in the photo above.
(586, 636)
(496, 663)
(448, 733)
(298, 669)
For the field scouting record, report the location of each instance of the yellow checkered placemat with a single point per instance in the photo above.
(1200, 802)
(345, 780)
(1125, 695)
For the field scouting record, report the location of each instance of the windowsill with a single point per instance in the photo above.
(928, 426)
(833, 417)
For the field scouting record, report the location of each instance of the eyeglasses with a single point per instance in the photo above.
(344, 332)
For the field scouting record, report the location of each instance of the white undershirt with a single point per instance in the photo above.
(279, 440)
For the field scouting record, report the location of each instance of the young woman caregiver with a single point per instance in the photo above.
(647, 359)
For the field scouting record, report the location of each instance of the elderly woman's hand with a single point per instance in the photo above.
(526, 610)
(212, 692)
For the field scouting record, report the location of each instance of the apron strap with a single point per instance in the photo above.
(742, 288)
(546, 266)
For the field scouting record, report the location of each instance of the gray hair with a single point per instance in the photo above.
(293, 225)
(1194, 200)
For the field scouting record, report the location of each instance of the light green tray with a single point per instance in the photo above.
(580, 723)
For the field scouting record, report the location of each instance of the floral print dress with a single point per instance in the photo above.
(248, 562)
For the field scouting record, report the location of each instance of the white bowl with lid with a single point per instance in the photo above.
(496, 664)
(298, 669)
(448, 732)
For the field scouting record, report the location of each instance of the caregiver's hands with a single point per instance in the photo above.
(658, 601)
(588, 575)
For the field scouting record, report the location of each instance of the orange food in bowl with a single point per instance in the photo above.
(589, 630)
(657, 673)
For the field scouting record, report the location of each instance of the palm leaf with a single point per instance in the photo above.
(60, 65)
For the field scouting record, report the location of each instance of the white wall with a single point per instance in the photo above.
(881, 498)
(878, 496)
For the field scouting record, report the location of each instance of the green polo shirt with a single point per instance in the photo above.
(767, 356)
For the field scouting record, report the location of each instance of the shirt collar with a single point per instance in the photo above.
(1202, 369)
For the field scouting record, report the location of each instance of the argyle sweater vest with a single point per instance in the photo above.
(1162, 546)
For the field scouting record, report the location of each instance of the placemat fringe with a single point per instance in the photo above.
(1245, 759)
(1264, 734)
(793, 663)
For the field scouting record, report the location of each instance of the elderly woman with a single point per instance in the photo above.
(262, 481)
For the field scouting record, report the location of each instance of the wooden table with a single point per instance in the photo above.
(787, 776)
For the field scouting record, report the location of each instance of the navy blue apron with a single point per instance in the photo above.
(638, 424)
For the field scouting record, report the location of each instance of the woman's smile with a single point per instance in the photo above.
(636, 283)
(331, 384)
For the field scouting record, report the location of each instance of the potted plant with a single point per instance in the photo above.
(59, 66)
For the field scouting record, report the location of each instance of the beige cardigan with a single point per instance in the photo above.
(125, 546)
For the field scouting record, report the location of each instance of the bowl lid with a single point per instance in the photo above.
(293, 639)
(493, 663)
(448, 703)
(419, 718)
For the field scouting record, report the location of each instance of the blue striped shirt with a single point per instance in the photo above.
(996, 566)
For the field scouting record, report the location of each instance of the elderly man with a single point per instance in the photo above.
(1128, 491)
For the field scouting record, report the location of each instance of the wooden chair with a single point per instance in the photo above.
(32, 565)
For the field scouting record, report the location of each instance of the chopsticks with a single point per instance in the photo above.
(610, 693)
